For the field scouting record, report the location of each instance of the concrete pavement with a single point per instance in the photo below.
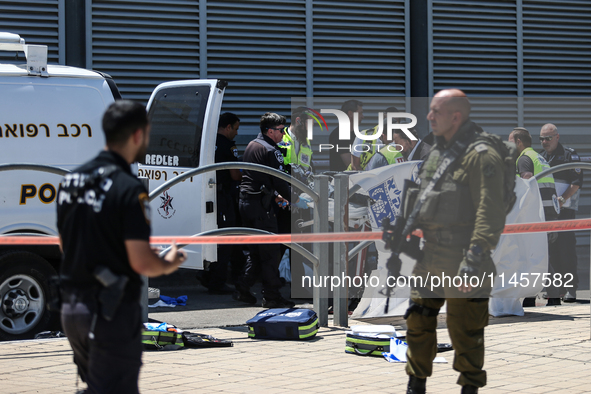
(546, 351)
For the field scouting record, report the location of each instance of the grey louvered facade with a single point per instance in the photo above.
(39, 22)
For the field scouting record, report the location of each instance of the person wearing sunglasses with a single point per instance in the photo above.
(563, 256)
(259, 194)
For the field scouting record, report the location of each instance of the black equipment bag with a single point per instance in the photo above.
(283, 323)
(194, 340)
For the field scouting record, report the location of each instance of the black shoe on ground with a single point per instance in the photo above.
(416, 385)
(570, 296)
(277, 303)
(244, 295)
(529, 302)
(553, 302)
(469, 389)
(225, 289)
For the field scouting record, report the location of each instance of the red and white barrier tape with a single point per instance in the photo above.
(519, 228)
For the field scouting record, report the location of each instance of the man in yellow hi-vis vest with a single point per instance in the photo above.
(295, 147)
(530, 163)
(363, 150)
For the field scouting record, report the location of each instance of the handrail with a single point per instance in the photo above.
(249, 231)
(234, 166)
(35, 167)
(562, 167)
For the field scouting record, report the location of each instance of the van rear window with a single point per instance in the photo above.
(177, 115)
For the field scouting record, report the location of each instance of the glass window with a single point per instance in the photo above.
(177, 115)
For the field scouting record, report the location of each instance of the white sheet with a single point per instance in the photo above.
(515, 254)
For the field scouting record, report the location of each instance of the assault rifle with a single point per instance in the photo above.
(395, 236)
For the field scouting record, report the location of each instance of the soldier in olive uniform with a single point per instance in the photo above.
(462, 219)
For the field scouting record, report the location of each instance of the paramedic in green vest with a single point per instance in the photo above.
(391, 153)
(363, 149)
(529, 164)
(297, 153)
(295, 146)
(462, 219)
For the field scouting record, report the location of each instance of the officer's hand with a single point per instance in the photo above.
(469, 267)
(302, 203)
(282, 202)
(175, 257)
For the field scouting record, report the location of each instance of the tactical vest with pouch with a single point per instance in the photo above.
(448, 210)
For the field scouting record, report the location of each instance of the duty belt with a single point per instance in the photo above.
(446, 237)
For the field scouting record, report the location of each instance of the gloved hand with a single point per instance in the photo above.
(471, 263)
(470, 266)
(302, 203)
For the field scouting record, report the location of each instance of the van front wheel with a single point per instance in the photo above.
(24, 291)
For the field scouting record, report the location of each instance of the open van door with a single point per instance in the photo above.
(184, 116)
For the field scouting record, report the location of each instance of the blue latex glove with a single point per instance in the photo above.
(182, 300)
(302, 203)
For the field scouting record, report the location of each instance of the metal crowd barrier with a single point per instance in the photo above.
(320, 225)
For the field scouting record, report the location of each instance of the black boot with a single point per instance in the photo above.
(469, 389)
(416, 385)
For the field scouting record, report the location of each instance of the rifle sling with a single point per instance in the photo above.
(450, 155)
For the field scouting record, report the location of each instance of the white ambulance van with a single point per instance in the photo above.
(51, 115)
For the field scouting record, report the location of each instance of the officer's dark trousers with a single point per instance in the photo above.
(217, 275)
(562, 258)
(263, 259)
(111, 362)
(467, 315)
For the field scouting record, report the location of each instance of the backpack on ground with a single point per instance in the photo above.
(369, 340)
(283, 323)
(162, 336)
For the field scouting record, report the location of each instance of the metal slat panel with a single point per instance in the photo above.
(475, 47)
(556, 55)
(34, 20)
(359, 48)
(259, 47)
(556, 50)
(142, 43)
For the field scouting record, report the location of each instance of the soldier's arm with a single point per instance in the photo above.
(486, 187)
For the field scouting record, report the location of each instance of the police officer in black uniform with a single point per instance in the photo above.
(103, 219)
(259, 196)
(227, 193)
(562, 253)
